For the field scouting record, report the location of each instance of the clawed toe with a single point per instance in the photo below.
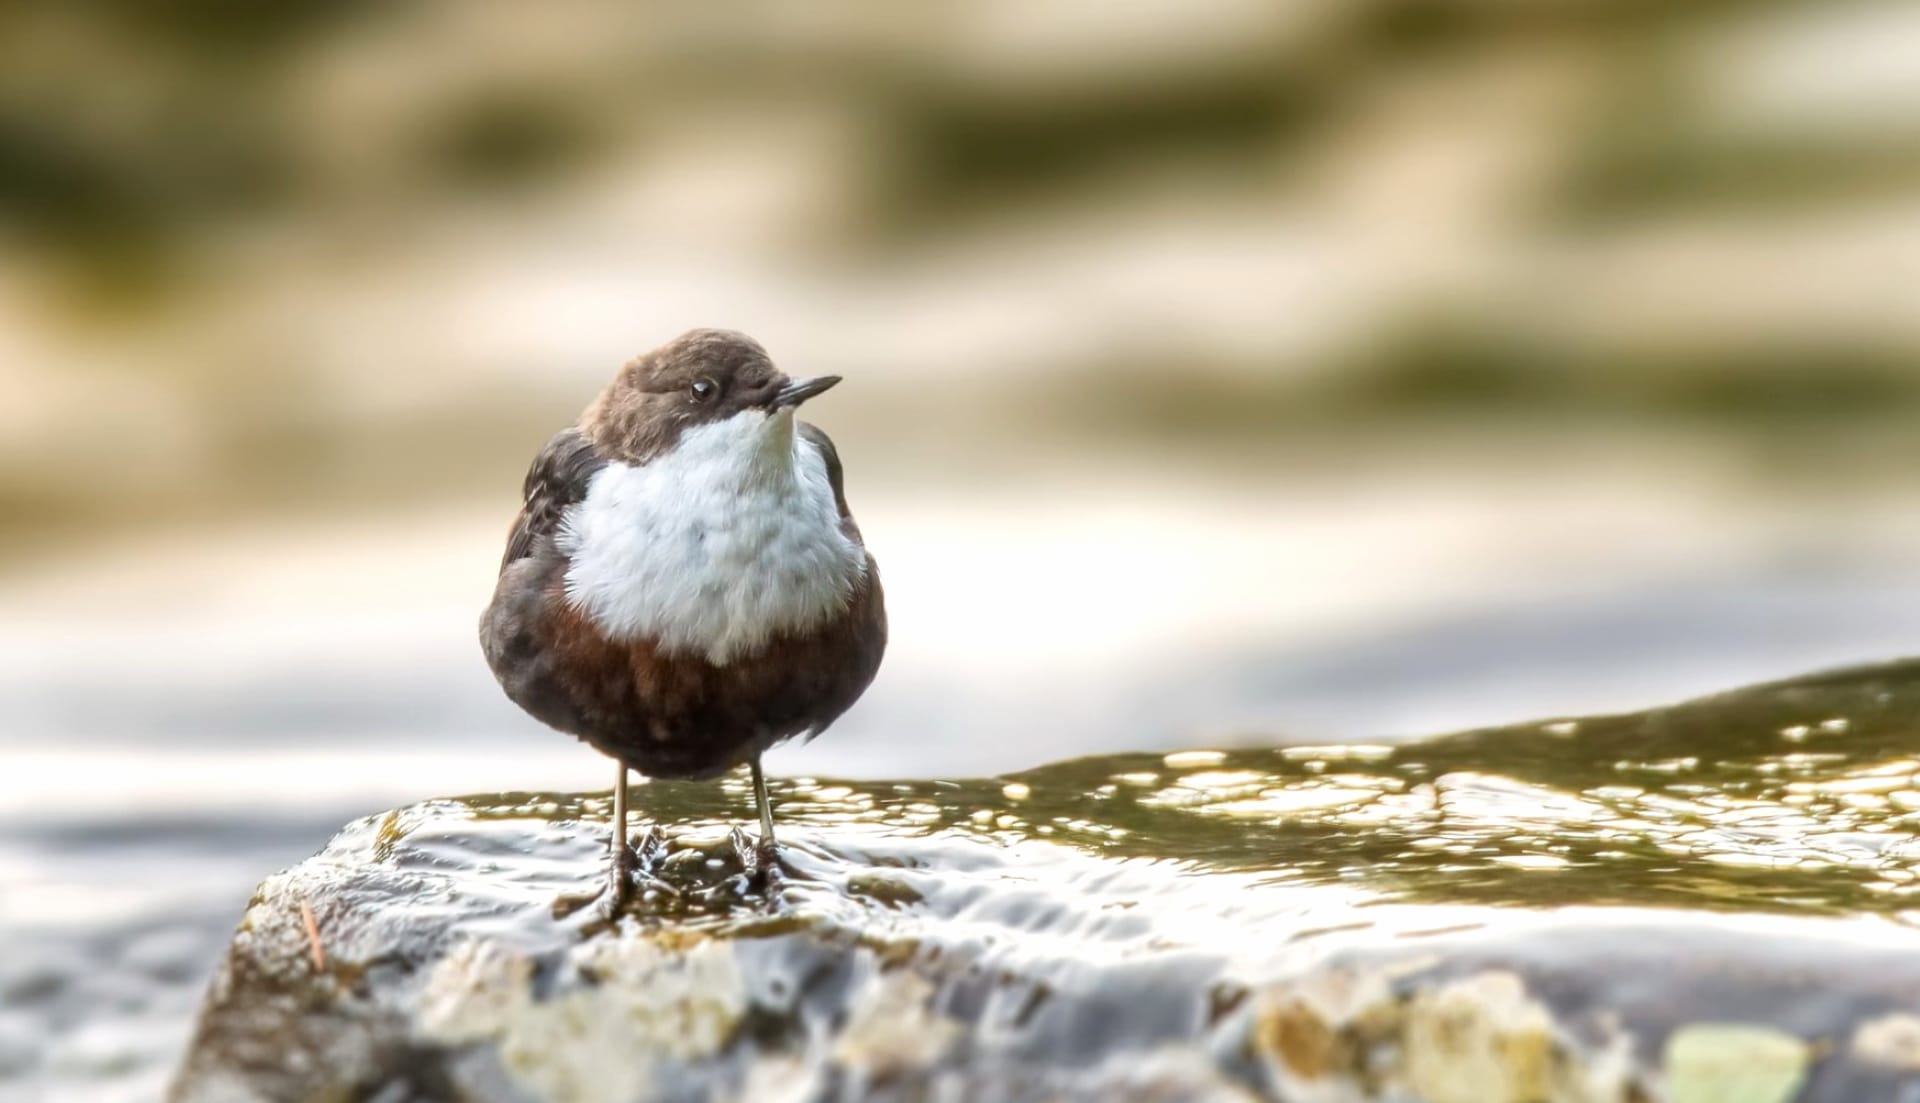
(648, 853)
(567, 903)
(631, 876)
(759, 859)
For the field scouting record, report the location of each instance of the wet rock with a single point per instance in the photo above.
(434, 969)
(1702, 904)
(1892, 1041)
(1734, 1063)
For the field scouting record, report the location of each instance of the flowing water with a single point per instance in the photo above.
(1789, 803)
(1799, 797)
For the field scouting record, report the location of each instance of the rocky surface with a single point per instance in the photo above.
(1721, 921)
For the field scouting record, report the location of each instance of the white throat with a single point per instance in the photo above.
(716, 547)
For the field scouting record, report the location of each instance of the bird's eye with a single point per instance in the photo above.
(703, 389)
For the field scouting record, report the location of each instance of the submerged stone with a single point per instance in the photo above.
(1734, 1063)
(1498, 917)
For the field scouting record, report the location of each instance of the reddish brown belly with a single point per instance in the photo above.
(676, 715)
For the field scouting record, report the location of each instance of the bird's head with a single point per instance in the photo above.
(705, 377)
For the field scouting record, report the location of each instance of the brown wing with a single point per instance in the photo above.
(557, 479)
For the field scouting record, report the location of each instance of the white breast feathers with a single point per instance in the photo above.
(730, 539)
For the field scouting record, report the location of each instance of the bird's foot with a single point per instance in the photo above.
(607, 898)
(648, 852)
(631, 873)
(759, 859)
(644, 880)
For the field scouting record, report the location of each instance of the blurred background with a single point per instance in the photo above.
(1220, 371)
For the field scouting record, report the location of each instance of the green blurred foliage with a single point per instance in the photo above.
(166, 166)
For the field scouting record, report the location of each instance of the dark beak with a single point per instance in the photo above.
(799, 390)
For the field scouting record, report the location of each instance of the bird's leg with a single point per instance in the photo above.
(618, 887)
(621, 884)
(767, 854)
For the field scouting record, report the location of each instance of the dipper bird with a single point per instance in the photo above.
(684, 586)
